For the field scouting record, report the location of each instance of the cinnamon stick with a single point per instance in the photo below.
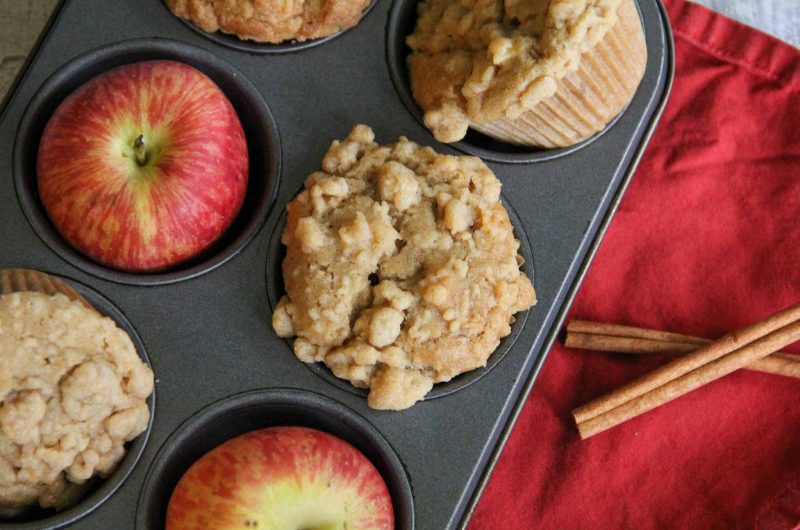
(712, 361)
(588, 341)
(627, 339)
(598, 328)
(779, 364)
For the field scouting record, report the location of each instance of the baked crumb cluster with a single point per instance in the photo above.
(401, 270)
(272, 21)
(483, 60)
(72, 391)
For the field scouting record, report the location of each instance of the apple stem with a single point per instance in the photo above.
(140, 150)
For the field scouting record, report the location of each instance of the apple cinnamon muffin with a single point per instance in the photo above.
(73, 391)
(401, 269)
(271, 21)
(545, 73)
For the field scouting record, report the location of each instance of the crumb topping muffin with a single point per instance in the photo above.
(271, 21)
(402, 268)
(72, 391)
(483, 60)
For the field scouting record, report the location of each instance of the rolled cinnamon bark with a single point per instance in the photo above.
(705, 355)
(712, 361)
(617, 330)
(686, 382)
(612, 343)
(779, 364)
(20, 280)
(612, 339)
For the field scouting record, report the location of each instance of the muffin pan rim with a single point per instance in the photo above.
(530, 360)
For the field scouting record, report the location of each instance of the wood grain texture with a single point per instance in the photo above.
(21, 21)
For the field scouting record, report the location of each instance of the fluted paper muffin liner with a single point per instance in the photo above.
(22, 280)
(588, 98)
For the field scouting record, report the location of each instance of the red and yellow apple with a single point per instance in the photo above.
(281, 478)
(143, 166)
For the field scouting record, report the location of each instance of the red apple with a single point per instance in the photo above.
(143, 166)
(281, 478)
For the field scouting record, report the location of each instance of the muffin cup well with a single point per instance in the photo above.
(98, 490)
(587, 99)
(258, 409)
(234, 42)
(276, 252)
(261, 133)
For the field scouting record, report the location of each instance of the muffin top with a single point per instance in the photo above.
(72, 391)
(271, 21)
(402, 268)
(482, 60)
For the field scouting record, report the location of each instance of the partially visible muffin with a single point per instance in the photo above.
(271, 21)
(402, 269)
(545, 73)
(73, 391)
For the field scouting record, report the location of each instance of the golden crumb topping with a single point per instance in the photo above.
(272, 21)
(482, 60)
(402, 268)
(72, 391)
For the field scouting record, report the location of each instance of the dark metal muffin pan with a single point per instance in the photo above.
(220, 368)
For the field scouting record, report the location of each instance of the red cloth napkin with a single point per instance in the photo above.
(706, 240)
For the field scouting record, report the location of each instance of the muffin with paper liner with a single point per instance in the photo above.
(73, 391)
(544, 73)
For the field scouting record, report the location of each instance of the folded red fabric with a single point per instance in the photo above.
(706, 240)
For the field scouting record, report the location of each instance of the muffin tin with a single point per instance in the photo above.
(206, 326)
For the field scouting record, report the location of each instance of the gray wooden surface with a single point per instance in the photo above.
(22, 20)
